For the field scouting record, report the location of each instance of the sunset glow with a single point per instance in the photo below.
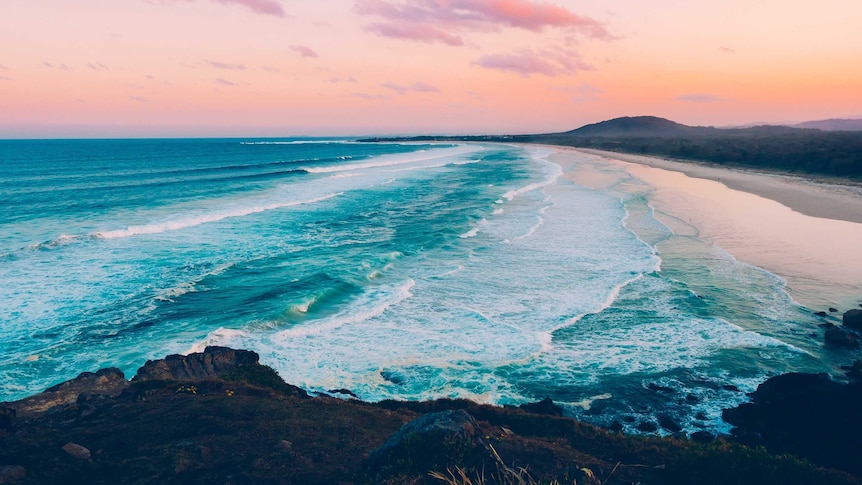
(107, 68)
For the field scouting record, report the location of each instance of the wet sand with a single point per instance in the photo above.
(813, 197)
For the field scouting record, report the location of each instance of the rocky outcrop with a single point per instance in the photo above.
(435, 441)
(838, 337)
(808, 415)
(545, 406)
(853, 319)
(209, 364)
(88, 386)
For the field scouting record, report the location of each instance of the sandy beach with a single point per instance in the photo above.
(806, 231)
(812, 197)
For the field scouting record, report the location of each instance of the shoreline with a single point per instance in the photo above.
(809, 195)
(765, 220)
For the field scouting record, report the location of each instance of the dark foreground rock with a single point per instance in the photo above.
(104, 384)
(211, 363)
(246, 425)
(808, 415)
(433, 442)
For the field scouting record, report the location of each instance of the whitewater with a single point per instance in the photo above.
(397, 271)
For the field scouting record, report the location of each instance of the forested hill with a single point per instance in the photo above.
(806, 151)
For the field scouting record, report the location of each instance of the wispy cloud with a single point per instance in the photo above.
(421, 87)
(418, 87)
(335, 80)
(417, 32)
(61, 67)
(304, 51)
(3, 68)
(139, 99)
(552, 62)
(726, 50)
(225, 65)
(225, 82)
(700, 98)
(265, 7)
(97, 67)
(4, 78)
(372, 96)
(445, 21)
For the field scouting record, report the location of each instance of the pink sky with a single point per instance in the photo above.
(105, 68)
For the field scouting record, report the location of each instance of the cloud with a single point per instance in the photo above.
(3, 68)
(371, 96)
(700, 98)
(4, 78)
(444, 20)
(342, 80)
(418, 87)
(726, 50)
(138, 99)
(97, 67)
(225, 82)
(527, 62)
(224, 65)
(421, 87)
(265, 7)
(61, 67)
(417, 32)
(304, 51)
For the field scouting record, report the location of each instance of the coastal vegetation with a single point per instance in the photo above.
(795, 150)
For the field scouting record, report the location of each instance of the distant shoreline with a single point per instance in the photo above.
(810, 195)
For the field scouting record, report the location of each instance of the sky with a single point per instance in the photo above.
(139, 68)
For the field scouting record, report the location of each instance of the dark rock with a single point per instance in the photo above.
(345, 392)
(808, 415)
(435, 441)
(692, 398)
(7, 418)
(12, 474)
(838, 337)
(107, 383)
(209, 364)
(669, 423)
(658, 387)
(821, 314)
(616, 426)
(647, 427)
(545, 406)
(855, 370)
(629, 419)
(852, 319)
(833, 310)
(701, 416)
(730, 387)
(77, 451)
(702, 437)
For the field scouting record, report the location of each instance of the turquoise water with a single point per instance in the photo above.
(406, 271)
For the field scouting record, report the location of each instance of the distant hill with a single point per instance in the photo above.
(833, 125)
(636, 126)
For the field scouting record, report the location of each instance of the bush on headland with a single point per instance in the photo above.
(231, 420)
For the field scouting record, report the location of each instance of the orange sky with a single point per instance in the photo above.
(105, 68)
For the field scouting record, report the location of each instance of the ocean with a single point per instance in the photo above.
(397, 271)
